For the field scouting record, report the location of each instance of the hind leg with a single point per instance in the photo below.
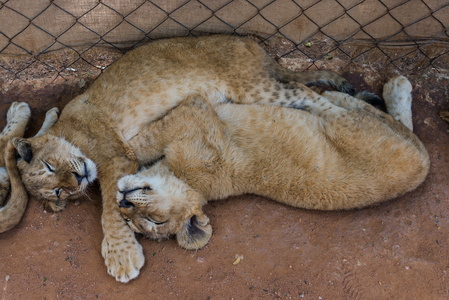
(397, 97)
(360, 102)
(266, 90)
(304, 98)
(397, 94)
(292, 95)
(284, 75)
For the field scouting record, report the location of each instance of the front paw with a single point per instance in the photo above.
(123, 257)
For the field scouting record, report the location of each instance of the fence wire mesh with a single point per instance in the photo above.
(401, 33)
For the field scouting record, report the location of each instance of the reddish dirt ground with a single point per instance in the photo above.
(397, 250)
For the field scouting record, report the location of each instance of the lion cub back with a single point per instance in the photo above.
(297, 158)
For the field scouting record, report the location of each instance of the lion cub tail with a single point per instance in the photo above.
(12, 212)
(331, 78)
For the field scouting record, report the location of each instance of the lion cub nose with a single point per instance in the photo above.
(79, 177)
(126, 204)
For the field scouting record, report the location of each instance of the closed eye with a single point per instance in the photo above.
(157, 223)
(49, 168)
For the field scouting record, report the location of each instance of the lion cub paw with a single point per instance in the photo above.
(397, 95)
(52, 115)
(18, 112)
(123, 258)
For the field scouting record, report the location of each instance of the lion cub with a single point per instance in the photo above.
(340, 153)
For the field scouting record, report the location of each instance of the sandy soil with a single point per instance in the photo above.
(397, 250)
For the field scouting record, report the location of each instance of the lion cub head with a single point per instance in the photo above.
(53, 170)
(159, 205)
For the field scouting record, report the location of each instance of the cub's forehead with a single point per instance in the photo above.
(56, 146)
(69, 148)
(129, 181)
(139, 181)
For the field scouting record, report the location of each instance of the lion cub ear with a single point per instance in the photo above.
(23, 148)
(195, 232)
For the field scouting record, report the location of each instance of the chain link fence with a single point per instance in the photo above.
(53, 37)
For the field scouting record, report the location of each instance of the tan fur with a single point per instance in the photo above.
(12, 210)
(339, 154)
(136, 90)
(10, 181)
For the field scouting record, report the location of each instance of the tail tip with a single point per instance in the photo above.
(370, 98)
(345, 87)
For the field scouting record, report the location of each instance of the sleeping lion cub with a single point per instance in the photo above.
(341, 153)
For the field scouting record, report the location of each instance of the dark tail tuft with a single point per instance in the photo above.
(370, 98)
(343, 86)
